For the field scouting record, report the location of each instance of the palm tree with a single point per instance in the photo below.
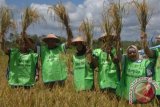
(6, 22)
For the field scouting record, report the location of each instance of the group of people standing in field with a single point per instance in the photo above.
(23, 68)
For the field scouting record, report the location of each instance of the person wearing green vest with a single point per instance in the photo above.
(53, 63)
(155, 54)
(23, 64)
(133, 67)
(108, 76)
(83, 72)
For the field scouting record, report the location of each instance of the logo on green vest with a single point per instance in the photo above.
(51, 58)
(80, 64)
(23, 62)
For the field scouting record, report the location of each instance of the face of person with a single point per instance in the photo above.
(79, 46)
(51, 43)
(132, 53)
(23, 46)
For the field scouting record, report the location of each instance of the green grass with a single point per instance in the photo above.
(40, 96)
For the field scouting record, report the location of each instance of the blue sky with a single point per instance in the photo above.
(24, 3)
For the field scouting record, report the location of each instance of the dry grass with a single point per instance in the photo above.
(62, 17)
(87, 29)
(6, 22)
(143, 13)
(29, 16)
(116, 12)
(40, 96)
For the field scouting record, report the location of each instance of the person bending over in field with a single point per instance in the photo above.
(133, 67)
(53, 61)
(22, 65)
(108, 76)
(83, 72)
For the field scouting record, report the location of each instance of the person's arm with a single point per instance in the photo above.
(93, 59)
(150, 53)
(38, 69)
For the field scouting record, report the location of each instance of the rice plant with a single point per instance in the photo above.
(6, 22)
(143, 13)
(62, 17)
(30, 16)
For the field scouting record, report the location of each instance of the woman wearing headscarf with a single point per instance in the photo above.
(133, 67)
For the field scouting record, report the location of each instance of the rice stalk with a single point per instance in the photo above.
(87, 28)
(29, 17)
(6, 22)
(116, 11)
(107, 27)
(60, 10)
(143, 13)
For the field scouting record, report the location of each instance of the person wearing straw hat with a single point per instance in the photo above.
(23, 64)
(83, 72)
(108, 78)
(133, 67)
(53, 61)
(155, 54)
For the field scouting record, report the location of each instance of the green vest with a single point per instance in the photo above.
(157, 71)
(131, 71)
(83, 74)
(53, 64)
(107, 75)
(22, 68)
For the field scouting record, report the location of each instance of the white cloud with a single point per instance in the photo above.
(92, 9)
(2, 3)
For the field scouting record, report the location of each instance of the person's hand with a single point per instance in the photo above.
(37, 78)
(143, 39)
(88, 50)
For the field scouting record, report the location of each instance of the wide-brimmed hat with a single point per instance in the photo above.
(104, 35)
(78, 39)
(158, 37)
(52, 37)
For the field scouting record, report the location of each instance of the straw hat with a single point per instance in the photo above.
(52, 37)
(78, 39)
(158, 37)
(102, 36)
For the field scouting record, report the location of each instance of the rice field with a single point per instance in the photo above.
(40, 96)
